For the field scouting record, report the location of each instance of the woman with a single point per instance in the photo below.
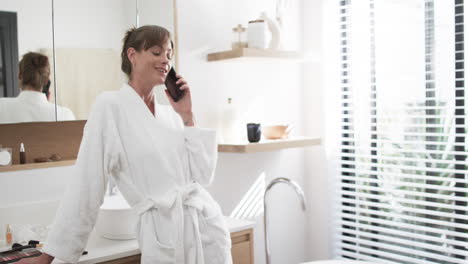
(32, 104)
(157, 159)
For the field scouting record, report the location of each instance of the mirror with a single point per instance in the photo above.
(88, 36)
(88, 42)
(85, 54)
(25, 26)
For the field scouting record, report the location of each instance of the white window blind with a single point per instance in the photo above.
(403, 183)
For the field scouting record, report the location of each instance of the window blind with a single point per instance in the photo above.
(402, 189)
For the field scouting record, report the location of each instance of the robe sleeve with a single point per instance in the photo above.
(202, 153)
(97, 158)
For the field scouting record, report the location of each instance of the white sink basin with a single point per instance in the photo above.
(116, 219)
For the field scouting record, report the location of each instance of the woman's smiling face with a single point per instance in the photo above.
(152, 65)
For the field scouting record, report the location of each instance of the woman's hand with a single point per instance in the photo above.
(44, 258)
(184, 106)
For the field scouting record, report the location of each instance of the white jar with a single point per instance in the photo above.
(5, 156)
(257, 34)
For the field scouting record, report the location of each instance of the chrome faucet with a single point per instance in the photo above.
(299, 193)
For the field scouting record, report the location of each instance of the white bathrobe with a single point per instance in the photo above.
(31, 106)
(159, 166)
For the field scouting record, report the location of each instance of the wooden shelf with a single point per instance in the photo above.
(269, 145)
(254, 53)
(262, 146)
(42, 165)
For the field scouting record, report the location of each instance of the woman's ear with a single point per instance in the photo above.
(131, 55)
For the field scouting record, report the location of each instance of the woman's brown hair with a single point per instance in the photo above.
(34, 70)
(140, 38)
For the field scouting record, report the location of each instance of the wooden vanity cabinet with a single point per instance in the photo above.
(242, 250)
(242, 247)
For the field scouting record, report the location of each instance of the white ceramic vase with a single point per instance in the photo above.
(275, 30)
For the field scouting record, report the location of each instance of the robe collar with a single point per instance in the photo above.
(33, 97)
(137, 100)
(162, 112)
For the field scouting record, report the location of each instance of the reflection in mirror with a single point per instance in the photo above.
(88, 39)
(26, 26)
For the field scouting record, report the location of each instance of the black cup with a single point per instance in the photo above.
(254, 132)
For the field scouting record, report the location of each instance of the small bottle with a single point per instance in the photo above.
(22, 154)
(231, 123)
(8, 235)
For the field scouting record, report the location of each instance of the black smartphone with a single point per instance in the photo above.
(172, 87)
(46, 87)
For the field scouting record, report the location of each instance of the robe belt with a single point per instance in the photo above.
(175, 201)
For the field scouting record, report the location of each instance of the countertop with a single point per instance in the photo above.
(101, 249)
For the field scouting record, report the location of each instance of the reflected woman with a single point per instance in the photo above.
(32, 105)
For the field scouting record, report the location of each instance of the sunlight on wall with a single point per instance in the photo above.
(251, 205)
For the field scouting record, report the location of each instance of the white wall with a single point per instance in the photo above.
(264, 91)
(271, 91)
(316, 178)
